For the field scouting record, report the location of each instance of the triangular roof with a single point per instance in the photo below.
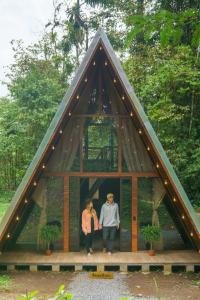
(175, 189)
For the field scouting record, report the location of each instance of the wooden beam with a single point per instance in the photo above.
(103, 174)
(134, 213)
(66, 215)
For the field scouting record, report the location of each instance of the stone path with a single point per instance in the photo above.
(85, 288)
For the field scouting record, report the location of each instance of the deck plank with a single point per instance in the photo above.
(140, 257)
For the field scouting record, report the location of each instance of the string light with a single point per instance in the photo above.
(183, 217)
(86, 79)
(106, 63)
(60, 131)
(77, 97)
(17, 218)
(123, 97)
(157, 166)
(174, 199)
(53, 147)
(25, 201)
(140, 131)
(70, 113)
(148, 148)
(34, 183)
(114, 80)
(8, 236)
(131, 114)
(43, 166)
(191, 233)
(100, 48)
(166, 182)
(94, 63)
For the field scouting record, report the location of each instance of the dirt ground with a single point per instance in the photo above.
(174, 287)
(177, 286)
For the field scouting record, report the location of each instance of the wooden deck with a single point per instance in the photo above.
(123, 261)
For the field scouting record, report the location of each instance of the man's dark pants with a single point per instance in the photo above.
(109, 233)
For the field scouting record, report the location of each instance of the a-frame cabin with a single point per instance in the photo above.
(99, 141)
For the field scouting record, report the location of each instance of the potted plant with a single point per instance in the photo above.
(49, 234)
(151, 233)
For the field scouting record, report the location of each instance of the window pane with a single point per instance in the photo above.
(153, 209)
(100, 145)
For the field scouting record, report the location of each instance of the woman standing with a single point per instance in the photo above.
(89, 224)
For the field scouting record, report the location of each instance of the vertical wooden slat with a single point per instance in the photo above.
(66, 215)
(134, 213)
(119, 146)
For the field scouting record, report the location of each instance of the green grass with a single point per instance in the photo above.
(5, 282)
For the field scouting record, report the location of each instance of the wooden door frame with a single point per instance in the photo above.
(134, 207)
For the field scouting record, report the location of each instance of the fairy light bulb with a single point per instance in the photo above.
(157, 166)
(53, 147)
(94, 63)
(183, 217)
(17, 218)
(77, 97)
(174, 199)
(34, 183)
(25, 201)
(8, 236)
(140, 131)
(100, 48)
(43, 166)
(191, 233)
(166, 182)
(60, 131)
(106, 63)
(131, 114)
(148, 148)
(114, 80)
(70, 113)
(86, 79)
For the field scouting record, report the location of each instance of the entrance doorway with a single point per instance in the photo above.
(97, 188)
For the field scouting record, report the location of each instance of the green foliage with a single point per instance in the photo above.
(49, 234)
(61, 294)
(151, 233)
(5, 282)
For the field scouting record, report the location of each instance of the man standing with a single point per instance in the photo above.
(109, 220)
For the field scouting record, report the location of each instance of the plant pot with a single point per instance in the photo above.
(48, 252)
(152, 253)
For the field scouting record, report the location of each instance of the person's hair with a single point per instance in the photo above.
(109, 194)
(88, 201)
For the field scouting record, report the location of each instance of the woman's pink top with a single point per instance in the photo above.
(86, 221)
